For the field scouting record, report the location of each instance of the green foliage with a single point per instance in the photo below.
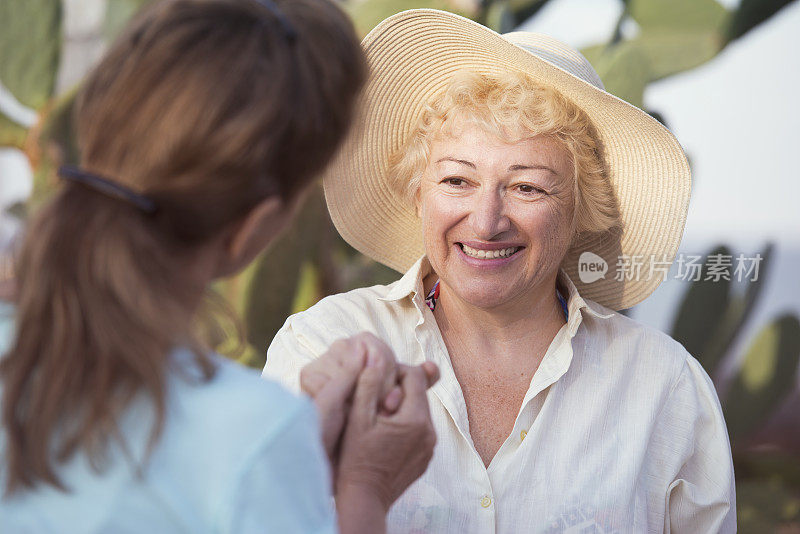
(735, 315)
(504, 15)
(309, 288)
(118, 12)
(272, 290)
(707, 323)
(675, 36)
(678, 15)
(766, 377)
(366, 14)
(769, 465)
(499, 17)
(672, 52)
(57, 146)
(11, 133)
(30, 44)
(624, 69)
(767, 505)
(701, 314)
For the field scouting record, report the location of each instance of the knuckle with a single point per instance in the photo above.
(364, 337)
(340, 344)
(417, 374)
(305, 372)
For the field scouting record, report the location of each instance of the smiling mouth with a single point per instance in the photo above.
(488, 254)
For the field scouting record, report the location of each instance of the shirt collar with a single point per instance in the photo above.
(576, 303)
(411, 285)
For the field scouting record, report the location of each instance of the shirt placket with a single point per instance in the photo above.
(449, 394)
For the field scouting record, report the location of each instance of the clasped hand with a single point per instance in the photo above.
(374, 414)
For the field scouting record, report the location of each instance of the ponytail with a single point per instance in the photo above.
(205, 108)
(100, 305)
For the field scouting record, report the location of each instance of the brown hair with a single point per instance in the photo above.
(206, 107)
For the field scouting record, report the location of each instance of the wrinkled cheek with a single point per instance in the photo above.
(554, 235)
(434, 237)
(439, 219)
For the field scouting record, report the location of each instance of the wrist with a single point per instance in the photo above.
(362, 494)
(360, 509)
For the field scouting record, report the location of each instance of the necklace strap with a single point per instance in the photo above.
(433, 296)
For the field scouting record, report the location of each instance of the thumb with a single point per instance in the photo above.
(368, 391)
(335, 392)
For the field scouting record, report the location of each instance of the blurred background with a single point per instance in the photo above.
(721, 74)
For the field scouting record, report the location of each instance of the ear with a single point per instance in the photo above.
(252, 234)
(418, 200)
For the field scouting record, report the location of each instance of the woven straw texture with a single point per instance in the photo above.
(413, 55)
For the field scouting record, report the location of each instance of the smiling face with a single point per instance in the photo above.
(497, 217)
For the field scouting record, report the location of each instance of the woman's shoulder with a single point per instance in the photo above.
(218, 427)
(375, 309)
(632, 343)
(362, 298)
(233, 398)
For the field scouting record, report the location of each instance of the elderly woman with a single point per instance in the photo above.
(195, 151)
(497, 173)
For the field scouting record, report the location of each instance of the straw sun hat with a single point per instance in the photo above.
(412, 56)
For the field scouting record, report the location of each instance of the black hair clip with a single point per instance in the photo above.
(289, 33)
(107, 187)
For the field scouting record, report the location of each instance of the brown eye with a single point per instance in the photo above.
(454, 181)
(527, 188)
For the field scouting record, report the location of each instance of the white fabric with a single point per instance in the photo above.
(624, 429)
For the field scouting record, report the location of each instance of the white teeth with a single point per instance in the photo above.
(488, 254)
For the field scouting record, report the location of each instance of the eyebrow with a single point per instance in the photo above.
(461, 161)
(511, 168)
(529, 167)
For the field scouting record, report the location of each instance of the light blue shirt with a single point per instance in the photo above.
(238, 454)
(6, 326)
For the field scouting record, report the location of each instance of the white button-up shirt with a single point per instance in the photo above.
(620, 430)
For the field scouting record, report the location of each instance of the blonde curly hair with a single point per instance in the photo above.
(513, 107)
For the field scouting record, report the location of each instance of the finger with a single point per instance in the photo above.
(332, 402)
(311, 381)
(375, 345)
(336, 391)
(431, 372)
(393, 400)
(430, 369)
(415, 384)
(352, 356)
(368, 391)
(337, 382)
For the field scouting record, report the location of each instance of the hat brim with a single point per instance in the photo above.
(412, 56)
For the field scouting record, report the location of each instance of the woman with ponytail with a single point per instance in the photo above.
(199, 132)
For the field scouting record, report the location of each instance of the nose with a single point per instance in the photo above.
(488, 215)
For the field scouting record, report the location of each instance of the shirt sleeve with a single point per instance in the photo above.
(292, 350)
(702, 496)
(285, 485)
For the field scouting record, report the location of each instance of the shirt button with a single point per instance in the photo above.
(522, 435)
(486, 501)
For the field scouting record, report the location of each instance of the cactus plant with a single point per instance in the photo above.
(701, 313)
(30, 46)
(766, 377)
(707, 323)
